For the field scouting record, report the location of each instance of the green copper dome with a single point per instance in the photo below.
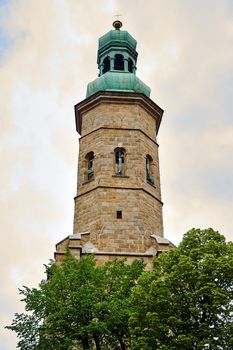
(117, 59)
(118, 81)
(117, 38)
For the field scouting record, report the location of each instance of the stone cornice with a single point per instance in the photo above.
(119, 188)
(111, 128)
(117, 97)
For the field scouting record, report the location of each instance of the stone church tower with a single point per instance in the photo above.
(118, 207)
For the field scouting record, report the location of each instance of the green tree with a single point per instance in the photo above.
(186, 301)
(80, 306)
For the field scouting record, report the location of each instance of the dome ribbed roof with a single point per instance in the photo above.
(116, 38)
(118, 81)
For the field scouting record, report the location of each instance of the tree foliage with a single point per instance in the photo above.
(186, 301)
(80, 306)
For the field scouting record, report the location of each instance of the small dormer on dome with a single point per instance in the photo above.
(117, 59)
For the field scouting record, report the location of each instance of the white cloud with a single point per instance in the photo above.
(110, 5)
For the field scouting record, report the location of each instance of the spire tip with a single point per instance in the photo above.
(117, 24)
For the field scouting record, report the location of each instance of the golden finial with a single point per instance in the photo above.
(117, 24)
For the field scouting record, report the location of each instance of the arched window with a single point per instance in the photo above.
(90, 165)
(119, 161)
(149, 173)
(130, 65)
(106, 63)
(119, 62)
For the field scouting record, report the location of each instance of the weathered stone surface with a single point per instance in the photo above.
(109, 124)
(104, 128)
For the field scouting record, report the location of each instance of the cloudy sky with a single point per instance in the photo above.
(47, 57)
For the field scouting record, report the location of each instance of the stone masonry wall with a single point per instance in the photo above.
(141, 217)
(104, 128)
(118, 116)
(102, 143)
